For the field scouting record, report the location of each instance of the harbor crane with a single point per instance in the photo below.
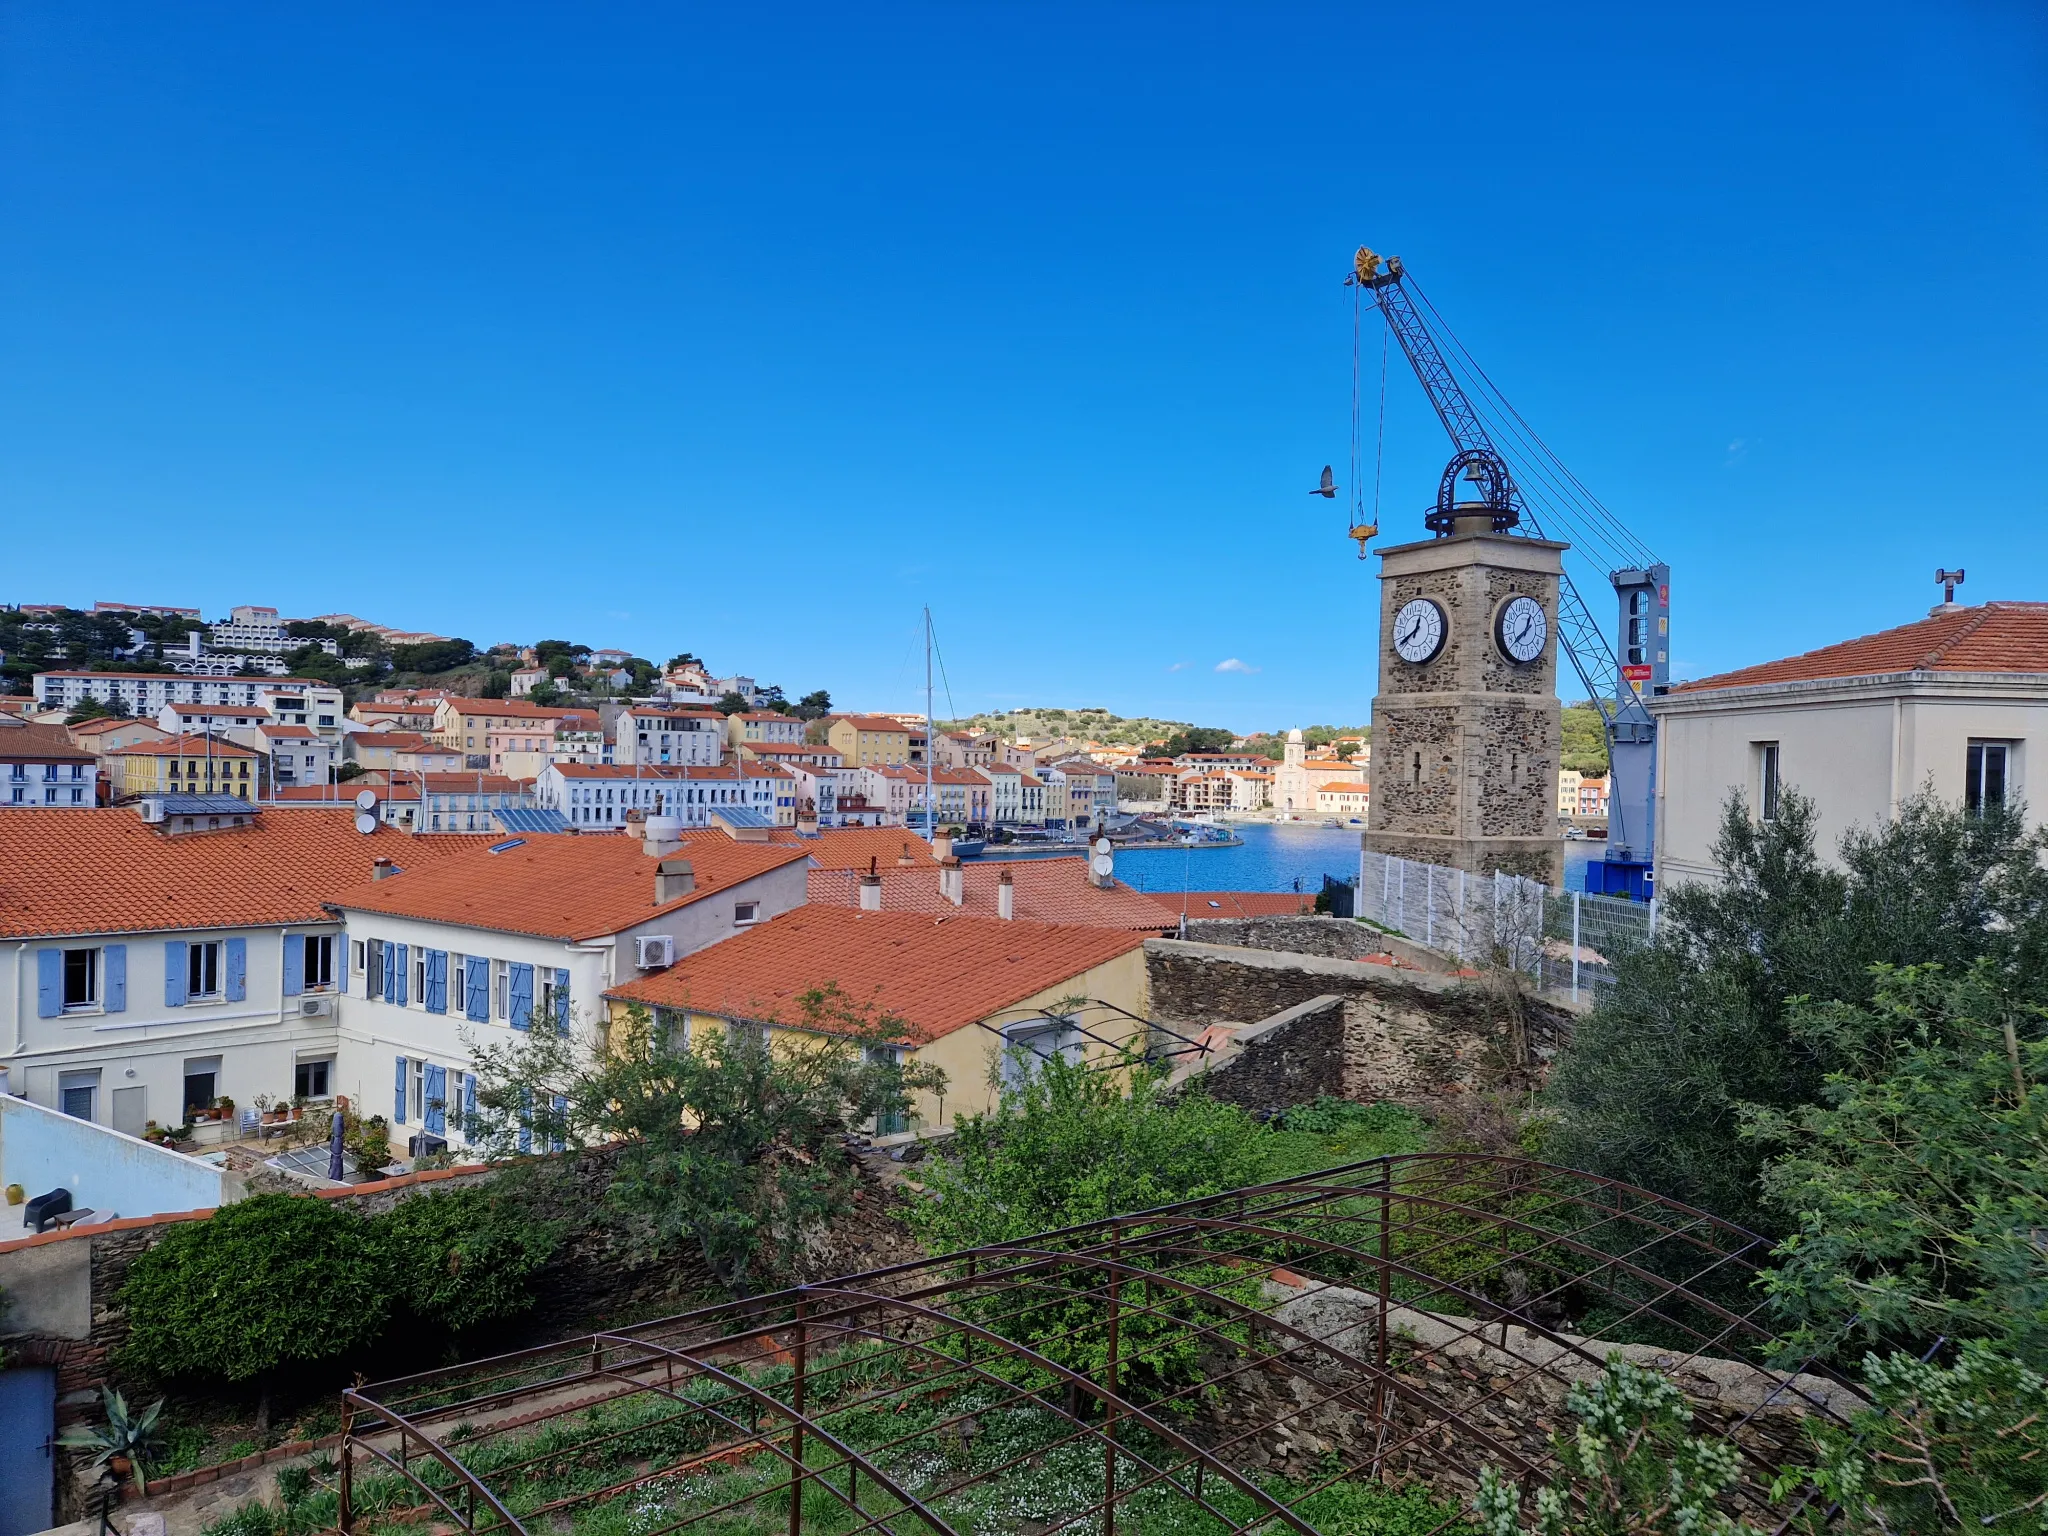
(1526, 487)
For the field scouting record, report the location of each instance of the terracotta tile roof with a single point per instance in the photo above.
(852, 847)
(101, 727)
(878, 723)
(1047, 891)
(105, 871)
(1237, 903)
(662, 712)
(44, 743)
(725, 772)
(937, 974)
(344, 793)
(562, 887)
(182, 746)
(287, 732)
(507, 707)
(769, 714)
(1993, 637)
(254, 711)
(176, 677)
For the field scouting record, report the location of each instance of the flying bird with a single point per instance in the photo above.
(1328, 489)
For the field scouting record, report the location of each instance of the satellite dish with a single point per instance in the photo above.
(365, 823)
(1102, 845)
(366, 799)
(1102, 864)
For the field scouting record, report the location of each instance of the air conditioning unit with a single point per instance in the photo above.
(653, 951)
(152, 811)
(316, 1007)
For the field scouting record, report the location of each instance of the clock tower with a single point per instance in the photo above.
(1466, 737)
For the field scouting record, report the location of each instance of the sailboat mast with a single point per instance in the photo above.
(931, 807)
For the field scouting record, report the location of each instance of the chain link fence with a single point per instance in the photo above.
(1565, 941)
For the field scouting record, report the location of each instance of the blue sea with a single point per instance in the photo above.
(1279, 856)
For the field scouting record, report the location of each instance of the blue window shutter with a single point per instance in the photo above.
(386, 956)
(238, 969)
(174, 973)
(114, 978)
(437, 981)
(402, 972)
(398, 1105)
(49, 983)
(561, 1001)
(437, 1100)
(477, 971)
(468, 1100)
(342, 956)
(522, 997)
(295, 964)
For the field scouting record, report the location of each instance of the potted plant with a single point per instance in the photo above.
(225, 1107)
(124, 1443)
(16, 1194)
(263, 1109)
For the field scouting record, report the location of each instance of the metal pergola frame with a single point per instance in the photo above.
(776, 1381)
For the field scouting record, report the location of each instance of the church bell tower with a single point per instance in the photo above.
(1466, 737)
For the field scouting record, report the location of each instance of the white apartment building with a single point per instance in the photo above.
(290, 700)
(1956, 703)
(658, 735)
(598, 796)
(258, 631)
(39, 766)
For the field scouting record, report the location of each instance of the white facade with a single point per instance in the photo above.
(1856, 746)
(599, 796)
(657, 737)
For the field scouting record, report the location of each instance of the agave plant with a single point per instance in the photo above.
(127, 1435)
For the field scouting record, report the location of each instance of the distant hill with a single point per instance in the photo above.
(1081, 724)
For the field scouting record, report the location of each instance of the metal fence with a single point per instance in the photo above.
(1565, 940)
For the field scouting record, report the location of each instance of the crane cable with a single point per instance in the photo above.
(1356, 488)
(1357, 518)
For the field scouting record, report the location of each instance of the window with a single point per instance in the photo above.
(374, 971)
(1767, 780)
(81, 979)
(419, 1092)
(318, 965)
(77, 1093)
(202, 970)
(358, 957)
(419, 977)
(746, 912)
(202, 1078)
(309, 1079)
(1986, 776)
(501, 990)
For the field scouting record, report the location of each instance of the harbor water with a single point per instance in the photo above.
(1280, 856)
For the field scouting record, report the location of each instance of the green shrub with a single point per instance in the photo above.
(462, 1258)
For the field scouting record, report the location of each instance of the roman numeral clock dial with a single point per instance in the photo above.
(1418, 631)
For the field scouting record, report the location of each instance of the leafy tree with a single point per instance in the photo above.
(1633, 1468)
(497, 685)
(98, 709)
(544, 693)
(1585, 739)
(463, 1258)
(681, 659)
(729, 1144)
(1652, 1086)
(813, 706)
(260, 1285)
(433, 656)
(772, 697)
(1198, 738)
(1917, 1189)
(732, 704)
(549, 652)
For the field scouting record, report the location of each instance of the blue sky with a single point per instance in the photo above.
(749, 331)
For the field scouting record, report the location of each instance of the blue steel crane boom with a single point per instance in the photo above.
(1644, 592)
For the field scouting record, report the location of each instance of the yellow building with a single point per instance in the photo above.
(184, 765)
(870, 741)
(980, 998)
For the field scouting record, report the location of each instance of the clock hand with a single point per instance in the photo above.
(1403, 636)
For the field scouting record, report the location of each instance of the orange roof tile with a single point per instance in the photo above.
(105, 871)
(1993, 637)
(1237, 903)
(182, 746)
(563, 887)
(399, 741)
(44, 743)
(853, 847)
(1047, 891)
(254, 711)
(878, 723)
(506, 707)
(936, 974)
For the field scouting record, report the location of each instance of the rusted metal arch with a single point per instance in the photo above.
(352, 1403)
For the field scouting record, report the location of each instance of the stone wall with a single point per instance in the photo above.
(1333, 938)
(1348, 1028)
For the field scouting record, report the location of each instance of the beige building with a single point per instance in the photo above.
(1299, 780)
(1956, 703)
(871, 741)
(983, 999)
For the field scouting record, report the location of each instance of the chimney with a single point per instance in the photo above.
(660, 836)
(636, 823)
(1006, 897)
(382, 869)
(871, 893)
(952, 885)
(942, 846)
(673, 878)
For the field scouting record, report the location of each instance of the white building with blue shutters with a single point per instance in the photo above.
(525, 934)
(148, 969)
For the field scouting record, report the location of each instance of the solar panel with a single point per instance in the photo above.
(736, 816)
(529, 819)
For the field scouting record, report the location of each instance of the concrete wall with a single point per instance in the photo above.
(42, 1150)
(1857, 747)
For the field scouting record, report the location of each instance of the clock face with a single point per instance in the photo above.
(1521, 629)
(1418, 630)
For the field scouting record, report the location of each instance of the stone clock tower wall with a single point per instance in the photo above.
(1466, 746)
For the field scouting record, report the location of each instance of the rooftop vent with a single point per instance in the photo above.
(673, 878)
